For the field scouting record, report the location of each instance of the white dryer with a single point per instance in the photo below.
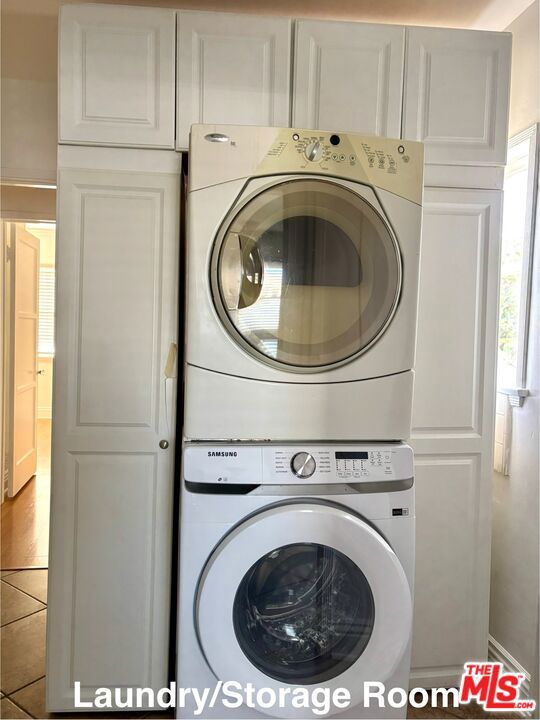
(302, 281)
(296, 570)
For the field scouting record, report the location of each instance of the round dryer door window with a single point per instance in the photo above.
(306, 274)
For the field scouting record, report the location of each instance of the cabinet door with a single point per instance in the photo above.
(453, 425)
(348, 77)
(232, 69)
(112, 484)
(456, 94)
(116, 81)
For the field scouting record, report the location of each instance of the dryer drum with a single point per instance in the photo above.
(303, 613)
(306, 273)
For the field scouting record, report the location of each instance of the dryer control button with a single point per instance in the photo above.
(303, 465)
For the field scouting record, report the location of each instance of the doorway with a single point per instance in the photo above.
(28, 324)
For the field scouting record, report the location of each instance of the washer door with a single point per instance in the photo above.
(307, 274)
(304, 594)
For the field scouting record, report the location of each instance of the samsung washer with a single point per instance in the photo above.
(296, 570)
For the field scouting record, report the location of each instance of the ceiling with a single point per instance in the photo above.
(477, 14)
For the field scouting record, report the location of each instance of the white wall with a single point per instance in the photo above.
(515, 544)
(28, 95)
(524, 92)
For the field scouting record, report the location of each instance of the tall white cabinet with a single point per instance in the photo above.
(114, 421)
(452, 434)
(132, 81)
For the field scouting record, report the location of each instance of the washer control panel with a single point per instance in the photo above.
(360, 464)
(293, 464)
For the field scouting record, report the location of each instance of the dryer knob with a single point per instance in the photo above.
(303, 465)
(314, 151)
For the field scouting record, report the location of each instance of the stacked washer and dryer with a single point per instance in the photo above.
(297, 500)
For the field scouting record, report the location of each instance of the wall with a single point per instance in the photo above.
(524, 93)
(28, 97)
(515, 544)
(27, 203)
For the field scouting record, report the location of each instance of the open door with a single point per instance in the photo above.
(24, 258)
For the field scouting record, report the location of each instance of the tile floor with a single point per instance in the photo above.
(23, 597)
(22, 639)
(23, 601)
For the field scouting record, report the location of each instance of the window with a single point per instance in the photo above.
(516, 261)
(46, 311)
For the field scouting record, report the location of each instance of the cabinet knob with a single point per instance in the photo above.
(163, 444)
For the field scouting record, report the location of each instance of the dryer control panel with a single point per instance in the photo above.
(244, 463)
(394, 165)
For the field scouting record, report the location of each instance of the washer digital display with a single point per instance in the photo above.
(351, 455)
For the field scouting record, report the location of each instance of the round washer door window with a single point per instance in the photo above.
(303, 613)
(299, 594)
(306, 274)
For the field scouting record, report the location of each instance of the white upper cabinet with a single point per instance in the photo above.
(116, 76)
(348, 77)
(456, 95)
(232, 69)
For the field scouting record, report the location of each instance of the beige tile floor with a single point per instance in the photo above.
(22, 673)
(23, 600)
(23, 597)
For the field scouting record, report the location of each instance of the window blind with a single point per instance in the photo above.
(46, 311)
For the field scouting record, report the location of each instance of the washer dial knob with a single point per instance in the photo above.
(314, 151)
(303, 465)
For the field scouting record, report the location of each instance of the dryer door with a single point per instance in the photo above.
(304, 594)
(306, 274)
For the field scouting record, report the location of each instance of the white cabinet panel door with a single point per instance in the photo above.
(116, 76)
(451, 608)
(456, 94)
(112, 484)
(348, 77)
(232, 69)
(453, 425)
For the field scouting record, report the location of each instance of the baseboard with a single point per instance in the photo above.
(497, 653)
(449, 676)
